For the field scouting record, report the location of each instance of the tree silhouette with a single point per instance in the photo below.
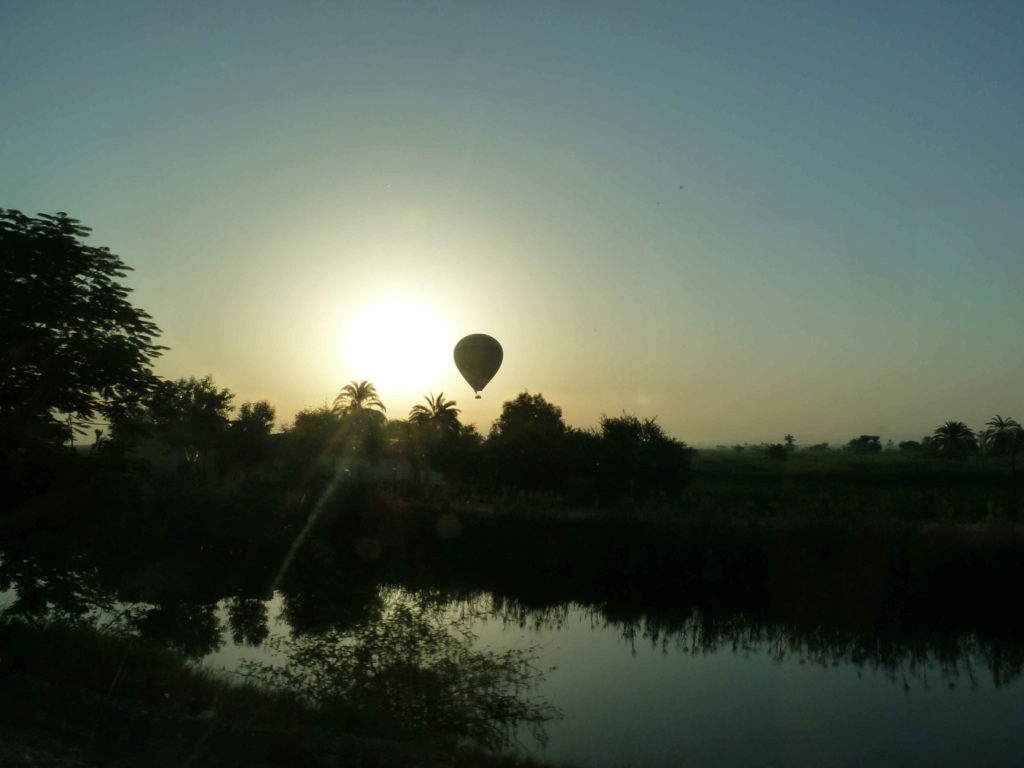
(1004, 437)
(255, 418)
(865, 444)
(954, 439)
(358, 397)
(310, 439)
(526, 446)
(249, 434)
(72, 347)
(314, 419)
(439, 413)
(528, 412)
(191, 416)
(362, 422)
(640, 460)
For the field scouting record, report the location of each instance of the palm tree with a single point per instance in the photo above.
(439, 413)
(362, 421)
(1004, 436)
(358, 397)
(954, 439)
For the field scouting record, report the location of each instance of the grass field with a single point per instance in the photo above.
(842, 485)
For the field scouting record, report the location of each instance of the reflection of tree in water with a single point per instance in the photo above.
(191, 628)
(907, 634)
(415, 671)
(247, 619)
(903, 655)
(334, 604)
(47, 591)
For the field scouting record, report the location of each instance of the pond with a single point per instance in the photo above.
(630, 695)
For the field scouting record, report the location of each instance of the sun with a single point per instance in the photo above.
(402, 347)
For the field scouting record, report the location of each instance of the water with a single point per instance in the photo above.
(634, 704)
(802, 663)
(628, 700)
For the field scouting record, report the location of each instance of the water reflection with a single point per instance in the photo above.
(414, 670)
(190, 628)
(317, 604)
(376, 659)
(393, 646)
(328, 602)
(248, 621)
(906, 658)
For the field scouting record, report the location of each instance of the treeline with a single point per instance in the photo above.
(76, 358)
(188, 430)
(1001, 437)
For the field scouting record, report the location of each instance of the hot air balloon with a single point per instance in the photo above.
(478, 357)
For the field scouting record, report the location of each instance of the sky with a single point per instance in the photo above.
(745, 219)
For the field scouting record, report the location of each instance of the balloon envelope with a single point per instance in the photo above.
(478, 357)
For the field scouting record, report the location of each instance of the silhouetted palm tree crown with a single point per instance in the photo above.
(1004, 436)
(438, 413)
(954, 438)
(358, 397)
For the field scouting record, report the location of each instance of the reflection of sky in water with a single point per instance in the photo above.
(230, 654)
(629, 703)
(651, 708)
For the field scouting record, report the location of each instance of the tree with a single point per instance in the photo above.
(528, 412)
(790, 442)
(439, 413)
(191, 416)
(315, 425)
(526, 443)
(865, 444)
(72, 347)
(1004, 437)
(249, 433)
(461, 457)
(640, 460)
(359, 397)
(431, 435)
(309, 442)
(363, 418)
(954, 440)
(255, 418)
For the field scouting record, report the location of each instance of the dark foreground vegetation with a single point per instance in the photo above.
(74, 696)
(173, 527)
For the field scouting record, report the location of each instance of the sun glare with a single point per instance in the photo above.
(403, 347)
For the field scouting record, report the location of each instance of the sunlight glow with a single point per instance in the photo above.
(403, 347)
